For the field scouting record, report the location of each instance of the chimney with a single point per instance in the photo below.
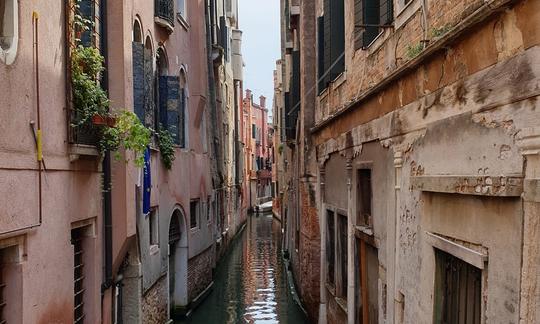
(248, 94)
(262, 101)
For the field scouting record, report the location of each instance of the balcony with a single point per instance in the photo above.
(164, 13)
(84, 134)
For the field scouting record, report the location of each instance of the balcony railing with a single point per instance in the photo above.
(85, 134)
(164, 12)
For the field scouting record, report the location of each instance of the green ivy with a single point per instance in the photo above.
(440, 31)
(414, 50)
(128, 133)
(166, 146)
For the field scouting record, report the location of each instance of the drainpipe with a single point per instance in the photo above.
(322, 225)
(217, 175)
(350, 246)
(398, 296)
(107, 196)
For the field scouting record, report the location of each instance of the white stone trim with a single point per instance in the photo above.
(8, 56)
(472, 257)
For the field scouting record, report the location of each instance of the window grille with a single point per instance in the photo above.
(78, 276)
(364, 197)
(164, 9)
(3, 297)
(458, 291)
(369, 17)
(330, 247)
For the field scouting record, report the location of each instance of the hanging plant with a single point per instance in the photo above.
(89, 98)
(128, 133)
(166, 146)
(92, 105)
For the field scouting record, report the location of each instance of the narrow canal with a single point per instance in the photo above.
(251, 283)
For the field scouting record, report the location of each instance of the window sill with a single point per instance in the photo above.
(183, 22)
(342, 303)
(331, 289)
(377, 43)
(76, 151)
(154, 249)
(339, 80)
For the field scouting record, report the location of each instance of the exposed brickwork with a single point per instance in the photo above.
(199, 273)
(154, 303)
(306, 265)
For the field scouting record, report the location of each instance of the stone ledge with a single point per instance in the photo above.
(470, 256)
(497, 186)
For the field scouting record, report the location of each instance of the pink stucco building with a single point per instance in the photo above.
(76, 243)
(257, 151)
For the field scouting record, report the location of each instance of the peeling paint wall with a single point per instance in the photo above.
(454, 116)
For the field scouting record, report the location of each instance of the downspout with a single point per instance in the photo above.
(322, 226)
(398, 296)
(107, 196)
(36, 133)
(216, 176)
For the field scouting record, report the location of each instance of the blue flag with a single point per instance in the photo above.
(147, 182)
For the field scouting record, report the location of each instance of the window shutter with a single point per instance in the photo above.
(169, 89)
(320, 54)
(338, 37)
(386, 12)
(326, 38)
(224, 35)
(138, 79)
(292, 114)
(148, 89)
(334, 38)
(371, 17)
(182, 106)
(358, 21)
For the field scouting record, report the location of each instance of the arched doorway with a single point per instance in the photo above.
(178, 258)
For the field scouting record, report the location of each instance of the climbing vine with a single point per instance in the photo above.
(166, 146)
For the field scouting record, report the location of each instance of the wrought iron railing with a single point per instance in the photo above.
(164, 9)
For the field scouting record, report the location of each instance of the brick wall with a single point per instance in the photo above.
(154, 303)
(199, 273)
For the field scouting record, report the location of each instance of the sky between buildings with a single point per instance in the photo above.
(259, 21)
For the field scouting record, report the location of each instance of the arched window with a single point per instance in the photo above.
(137, 32)
(182, 107)
(138, 71)
(9, 30)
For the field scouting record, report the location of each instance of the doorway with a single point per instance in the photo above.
(178, 258)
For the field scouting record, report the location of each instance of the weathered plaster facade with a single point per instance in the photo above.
(448, 134)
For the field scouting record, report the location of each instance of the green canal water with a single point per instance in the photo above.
(251, 282)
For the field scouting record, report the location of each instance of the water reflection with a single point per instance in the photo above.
(250, 284)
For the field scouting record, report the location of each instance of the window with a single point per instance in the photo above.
(331, 40)
(369, 17)
(194, 209)
(77, 237)
(182, 8)
(153, 226)
(11, 308)
(457, 290)
(253, 131)
(342, 256)
(367, 279)
(9, 30)
(172, 102)
(364, 198)
(330, 248)
(209, 209)
(87, 10)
